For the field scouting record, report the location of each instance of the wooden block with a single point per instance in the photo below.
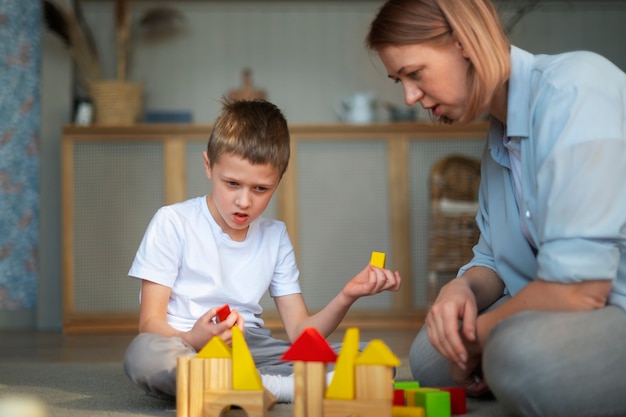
(409, 394)
(397, 411)
(252, 402)
(218, 374)
(245, 374)
(342, 386)
(223, 312)
(196, 387)
(378, 259)
(361, 408)
(406, 384)
(458, 399)
(435, 402)
(182, 386)
(315, 388)
(215, 348)
(299, 389)
(398, 397)
(374, 382)
(377, 353)
(310, 346)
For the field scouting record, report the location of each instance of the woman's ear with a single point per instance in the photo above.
(459, 45)
(207, 164)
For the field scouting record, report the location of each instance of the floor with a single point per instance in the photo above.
(21, 346)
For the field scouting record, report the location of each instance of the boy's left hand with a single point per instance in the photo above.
(372, 280)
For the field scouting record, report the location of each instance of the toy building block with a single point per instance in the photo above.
(310, 353)
(360, 408)
(215, 348)
(342, 385)
(218, 378)
(378, 259)
(458, 399)
(310, 346)
(435, 402)
(374, 372)
(223, 312)
(245, 374)
(404, 385)
(397, 411)
(398, 397)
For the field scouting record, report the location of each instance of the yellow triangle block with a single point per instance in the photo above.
(342, 385)
(377, 353)
(216, 348)
(378, 259)
(245, 375)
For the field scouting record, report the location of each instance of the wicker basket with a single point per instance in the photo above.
(116, 102)
(454, 182)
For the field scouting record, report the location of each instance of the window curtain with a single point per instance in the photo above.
(20, 43)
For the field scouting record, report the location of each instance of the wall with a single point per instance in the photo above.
(19, 160)
(305, 54)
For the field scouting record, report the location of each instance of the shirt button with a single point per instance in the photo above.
(528, 214)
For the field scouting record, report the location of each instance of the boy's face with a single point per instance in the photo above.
(241, 192)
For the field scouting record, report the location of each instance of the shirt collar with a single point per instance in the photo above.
(518, 108)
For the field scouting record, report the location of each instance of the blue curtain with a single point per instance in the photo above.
(20, 44)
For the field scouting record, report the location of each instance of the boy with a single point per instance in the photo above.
(213, 250)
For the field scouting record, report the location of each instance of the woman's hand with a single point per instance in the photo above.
(370, 281)
(471, 377)
(206, 328)
(455, 302)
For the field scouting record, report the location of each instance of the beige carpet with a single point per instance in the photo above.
(102, 390)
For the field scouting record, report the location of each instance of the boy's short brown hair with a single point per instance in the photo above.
(255, 130)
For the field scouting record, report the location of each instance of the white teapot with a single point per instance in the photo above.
(358, 108)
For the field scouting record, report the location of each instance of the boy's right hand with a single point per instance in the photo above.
(205, 328)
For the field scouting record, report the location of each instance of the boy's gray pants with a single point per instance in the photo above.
(150, 359)
(567, 364)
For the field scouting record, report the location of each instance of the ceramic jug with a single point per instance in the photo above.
(358, 108)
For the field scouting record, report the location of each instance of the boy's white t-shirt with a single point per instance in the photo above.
(185, 249)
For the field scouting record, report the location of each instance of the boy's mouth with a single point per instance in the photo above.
(240, 217)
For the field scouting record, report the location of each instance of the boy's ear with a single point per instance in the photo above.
(207, 164)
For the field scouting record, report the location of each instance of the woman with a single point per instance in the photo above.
(538, 316)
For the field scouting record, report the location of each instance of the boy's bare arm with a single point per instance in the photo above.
(370, 281)
(153, 312)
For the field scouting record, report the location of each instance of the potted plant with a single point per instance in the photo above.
(117, 100)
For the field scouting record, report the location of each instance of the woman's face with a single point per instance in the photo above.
(432, 74)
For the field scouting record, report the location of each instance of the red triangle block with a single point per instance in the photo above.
(310, 346)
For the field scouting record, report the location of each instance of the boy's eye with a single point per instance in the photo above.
(232, 183)
(261, 189)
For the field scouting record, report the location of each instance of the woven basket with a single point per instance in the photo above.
(453, 231)
(116, 102)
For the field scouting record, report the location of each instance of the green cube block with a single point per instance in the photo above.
(406, 385)
(435, 402)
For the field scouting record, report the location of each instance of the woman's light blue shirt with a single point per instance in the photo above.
(567, 114)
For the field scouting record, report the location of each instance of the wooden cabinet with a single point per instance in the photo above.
(349, 190)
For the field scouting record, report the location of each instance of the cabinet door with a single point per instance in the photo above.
(114, 190)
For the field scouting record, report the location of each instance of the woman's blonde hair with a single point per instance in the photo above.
(476, 25)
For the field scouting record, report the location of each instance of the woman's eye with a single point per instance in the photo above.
(413, 74)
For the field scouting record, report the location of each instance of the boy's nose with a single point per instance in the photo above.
(243, 199)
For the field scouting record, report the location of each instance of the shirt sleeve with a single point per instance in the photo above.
(285, 279)
(158, 258)
(581, 170)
